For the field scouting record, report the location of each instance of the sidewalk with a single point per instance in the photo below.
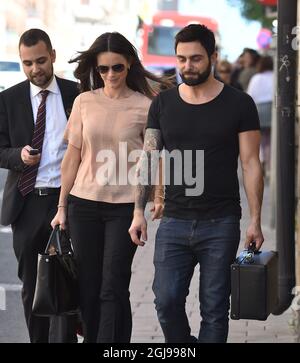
(146, 328)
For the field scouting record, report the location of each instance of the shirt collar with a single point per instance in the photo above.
(53, 87)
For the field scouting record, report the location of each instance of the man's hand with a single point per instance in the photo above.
(254, 234)
(29, 159)
(138, 228)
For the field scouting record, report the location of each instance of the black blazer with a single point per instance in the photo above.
(16, 131)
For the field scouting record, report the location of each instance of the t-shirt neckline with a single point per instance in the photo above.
(200, 104)
(102, 93)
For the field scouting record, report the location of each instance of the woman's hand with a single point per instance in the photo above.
(60, 218)
(157, 209)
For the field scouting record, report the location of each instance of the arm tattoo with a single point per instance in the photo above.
(147, 166)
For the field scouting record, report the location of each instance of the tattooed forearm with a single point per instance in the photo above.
(147, 167)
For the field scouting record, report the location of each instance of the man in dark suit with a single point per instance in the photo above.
(33, 116)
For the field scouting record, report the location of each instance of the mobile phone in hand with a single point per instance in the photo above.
(34, 151)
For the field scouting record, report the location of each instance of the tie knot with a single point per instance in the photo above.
(44, 94)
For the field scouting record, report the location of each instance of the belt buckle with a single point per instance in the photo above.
(41, 194)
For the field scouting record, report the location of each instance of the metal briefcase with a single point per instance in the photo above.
(254, 285)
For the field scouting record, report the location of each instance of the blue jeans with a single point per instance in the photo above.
(180, 245)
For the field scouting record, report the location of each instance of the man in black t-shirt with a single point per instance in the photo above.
(203, 126)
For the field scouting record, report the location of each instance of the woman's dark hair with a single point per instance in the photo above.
(197, 33)
(265, 63)
(32, 36)
(116, 43)
(255, 56)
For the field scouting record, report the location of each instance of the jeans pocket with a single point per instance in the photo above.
(165, 220)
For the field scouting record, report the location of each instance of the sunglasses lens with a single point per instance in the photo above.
(103, 69)
(118, 68)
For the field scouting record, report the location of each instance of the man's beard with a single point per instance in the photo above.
(202, 77)
(42, 80)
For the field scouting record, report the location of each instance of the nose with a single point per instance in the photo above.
(188, 65)
(110, 72)
(35, 68)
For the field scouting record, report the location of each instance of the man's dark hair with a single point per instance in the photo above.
(199, 33)
(33, 36)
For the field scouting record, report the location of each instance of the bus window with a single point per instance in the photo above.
(161, 40)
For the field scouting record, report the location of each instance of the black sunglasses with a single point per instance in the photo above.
(118, 68)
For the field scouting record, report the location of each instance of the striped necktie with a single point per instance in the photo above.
(28, 178)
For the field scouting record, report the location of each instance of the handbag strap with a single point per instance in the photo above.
(55, 232)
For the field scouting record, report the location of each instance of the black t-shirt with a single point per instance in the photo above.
(213, 127)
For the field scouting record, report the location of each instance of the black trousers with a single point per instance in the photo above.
(31, 232)
(104, 253)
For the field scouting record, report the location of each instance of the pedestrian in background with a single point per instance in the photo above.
(224, 72)
(261, 89)
(250, 58)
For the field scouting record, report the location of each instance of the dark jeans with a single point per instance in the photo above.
(104, 252)
(31, 232)
(180, 245)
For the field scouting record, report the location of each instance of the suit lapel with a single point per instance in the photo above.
(27, 107)
(66, 96)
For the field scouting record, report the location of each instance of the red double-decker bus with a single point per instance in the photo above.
(157, 49)
(268, 2)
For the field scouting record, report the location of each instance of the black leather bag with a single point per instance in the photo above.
(254, 285)
(56, 291)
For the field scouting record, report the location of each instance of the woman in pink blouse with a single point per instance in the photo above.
(104, 132)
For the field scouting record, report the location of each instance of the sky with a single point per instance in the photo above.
(236, 32)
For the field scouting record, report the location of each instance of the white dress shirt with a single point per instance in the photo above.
(53, 146)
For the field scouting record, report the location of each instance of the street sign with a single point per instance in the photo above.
(264, 38)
